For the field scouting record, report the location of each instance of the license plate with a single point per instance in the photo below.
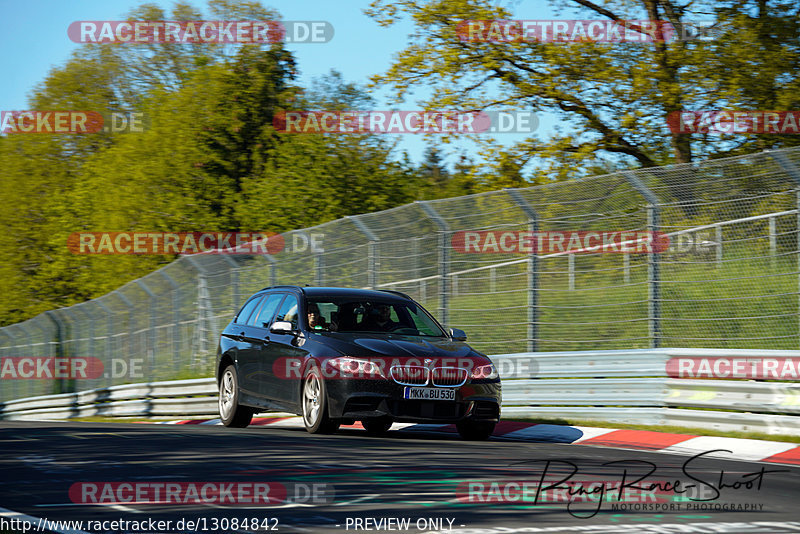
(429, 394)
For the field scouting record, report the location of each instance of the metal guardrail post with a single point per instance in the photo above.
(176, 319)
(372, 250)
(653, 259)
(794, 173)
(151, 325)
(444, 258)
(533, 270)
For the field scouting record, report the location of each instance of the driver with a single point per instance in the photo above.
(380, 319)
(315, 319)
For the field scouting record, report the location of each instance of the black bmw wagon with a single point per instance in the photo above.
(338, 355)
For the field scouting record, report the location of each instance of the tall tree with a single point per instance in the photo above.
(614, 98)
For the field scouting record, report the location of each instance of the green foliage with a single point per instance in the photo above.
(612, 98)
(209, 159)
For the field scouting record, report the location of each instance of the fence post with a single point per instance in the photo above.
(653, 260)
(372, 250)
(234, 281)
(151, 325)
(176, 318)
(718, 237)
(205, 312)
(59, 385)
(794, 173)
(444, 258)
(773, 240)
(131, 307)
(109, 336)
(571, 269)
(88, 316)
(626, 267)
(273, 270)
(533, 269)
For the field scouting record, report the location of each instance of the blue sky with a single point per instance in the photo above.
(34, 40)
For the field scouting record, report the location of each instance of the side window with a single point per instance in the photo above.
(247, 309)
(265, 312)
(288, 311)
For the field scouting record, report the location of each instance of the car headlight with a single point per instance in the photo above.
(355, 367)
(485, 372)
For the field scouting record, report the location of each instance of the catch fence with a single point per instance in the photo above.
(729, 277)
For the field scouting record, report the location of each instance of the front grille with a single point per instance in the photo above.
(440, 377)
(409, 375)
(448, 377)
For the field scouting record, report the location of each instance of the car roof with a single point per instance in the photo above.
(314, 291)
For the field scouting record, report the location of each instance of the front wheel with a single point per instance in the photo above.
(475, 430)
(315, 404)
(230, 412)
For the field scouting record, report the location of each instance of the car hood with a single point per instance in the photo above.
(401, 347)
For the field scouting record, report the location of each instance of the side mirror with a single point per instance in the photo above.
(458, 335)
(281, 327)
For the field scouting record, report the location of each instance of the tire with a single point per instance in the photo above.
(377, 427)
(230, 412)
(314, 399)
(475, 430)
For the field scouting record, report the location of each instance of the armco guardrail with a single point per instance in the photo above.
(625, 386)
(633, 386)
(173, 398)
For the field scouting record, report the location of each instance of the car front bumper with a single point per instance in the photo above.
(354, 399)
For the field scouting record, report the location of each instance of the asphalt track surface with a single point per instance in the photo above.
(414, 477)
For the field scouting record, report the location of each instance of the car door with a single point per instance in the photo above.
(258, 338)
(284, 348)
(246, 355)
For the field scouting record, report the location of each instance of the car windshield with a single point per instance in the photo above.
(349, 314)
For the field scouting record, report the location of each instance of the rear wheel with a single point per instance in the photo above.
(475, 430)
(377, 427)
(315, 404)
(230, 412)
